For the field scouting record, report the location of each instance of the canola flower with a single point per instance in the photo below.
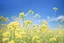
(12, 41)
(45, 22)
(13, 25)
(4, 19)
(19, 35)
(31, 12)
(5, 39)
(6, 34)
(18, 29)
(28, 22)
(22, 15)
(41, 28)
(52, 39)
(55, 8)
(35, 27)
(44, 25)
(35, 38)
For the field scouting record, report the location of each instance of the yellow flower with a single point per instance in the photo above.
(35, 38)
(45, 22)
(35, 27)
(40, 28)
(28, 22)
(52, 39)
(18, 29)
(10, 27)
(22, 15)
(38, 41)
(31, 12)
(55, 8)
(12, 41)
(5, 39)
(13, 25)
(6, 34)
(19, 35)
(44, 26)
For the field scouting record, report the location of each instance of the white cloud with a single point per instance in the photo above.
(55, 19)
(60, 17)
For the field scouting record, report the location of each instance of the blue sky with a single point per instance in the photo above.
(44, 8)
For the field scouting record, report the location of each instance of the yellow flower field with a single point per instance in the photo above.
(14, 32)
